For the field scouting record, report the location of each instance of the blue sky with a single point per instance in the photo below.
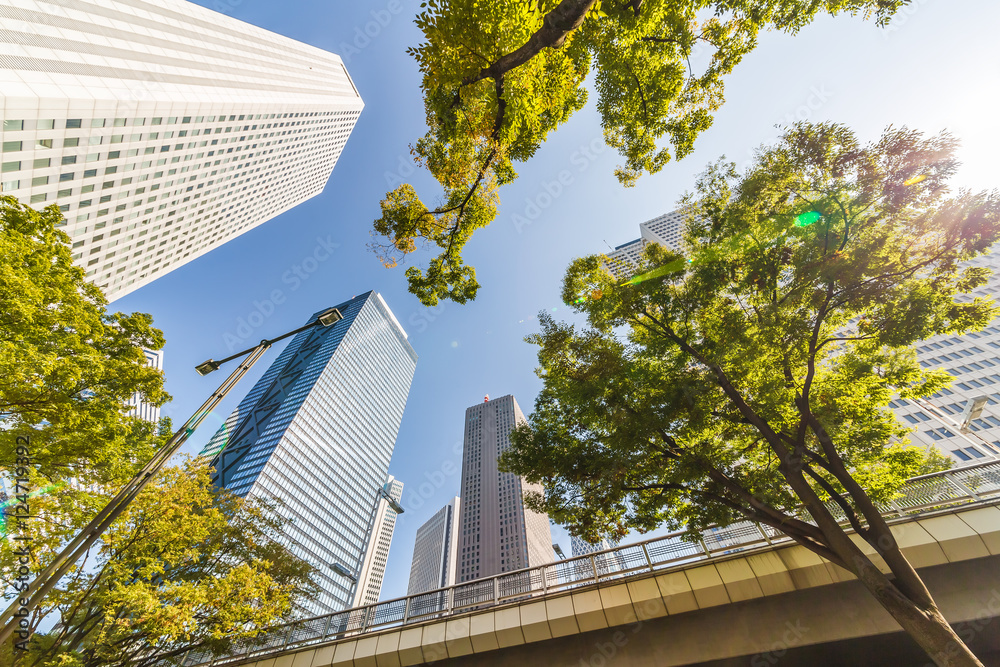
(935, 67)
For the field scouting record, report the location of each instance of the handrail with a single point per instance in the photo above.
(959, 486)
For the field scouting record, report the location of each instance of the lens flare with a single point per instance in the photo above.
(10, 502)
(658, 272)
(807, 218)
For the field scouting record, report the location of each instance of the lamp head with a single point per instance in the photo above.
(343, 571)
(328, 317)
(207, 367)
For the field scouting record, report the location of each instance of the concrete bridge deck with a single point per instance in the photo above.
(734, 599)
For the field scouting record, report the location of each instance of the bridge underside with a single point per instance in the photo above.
(759, 607)
(834, 625)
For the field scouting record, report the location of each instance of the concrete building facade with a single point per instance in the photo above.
(161, 129)
(377, 554)
(666, 229)
(317, 431)
(435, 550)
(140, 408)
(498, 533)
(974, 361)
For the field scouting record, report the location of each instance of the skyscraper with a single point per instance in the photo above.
(372, 570)
(498, 533)
(581, 547)
(435, 550)
(666, 229)
(317, 431)
(140, 408)
(973, 361)
(162, 129)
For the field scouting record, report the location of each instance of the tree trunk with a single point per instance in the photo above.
(928, 627)
(918, 615)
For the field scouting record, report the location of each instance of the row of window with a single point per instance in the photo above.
(79, 123)
(15, 146)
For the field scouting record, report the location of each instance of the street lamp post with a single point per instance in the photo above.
(86, 538)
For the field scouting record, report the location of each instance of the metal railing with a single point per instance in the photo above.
(960, 486)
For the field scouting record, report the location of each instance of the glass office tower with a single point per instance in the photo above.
(317, 431)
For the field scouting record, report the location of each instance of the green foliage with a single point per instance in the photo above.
(753, 373)
(187, 565)
(67, 366)
(498, 77)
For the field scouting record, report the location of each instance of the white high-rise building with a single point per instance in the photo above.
(377, 555)
(974, 361)
(581, 547)
(498, 532)
(140, 408)
(435, 550)
(667, 230)
(162, 129)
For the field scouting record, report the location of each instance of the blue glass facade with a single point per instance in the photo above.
(318, 430)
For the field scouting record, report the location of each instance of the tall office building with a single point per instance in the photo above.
(667, 230)
(317, 431)
(162, 129)
(498, 533)
(372, 570)
(581, 547)
(435, 550)
(973, 361)
(140, 408)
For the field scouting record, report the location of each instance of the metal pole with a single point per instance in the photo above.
(86, 538)
(645, 552)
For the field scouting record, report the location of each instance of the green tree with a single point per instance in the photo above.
(187, 566)
(499, 76)
(67, 366)
(750, 376)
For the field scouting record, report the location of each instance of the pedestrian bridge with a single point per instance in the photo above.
(740, 595)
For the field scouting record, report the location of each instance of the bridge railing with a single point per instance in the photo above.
(941, 490)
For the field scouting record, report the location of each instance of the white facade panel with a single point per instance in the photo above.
(161, 130)
(434, 551)
(377, 555)
(140, 408)
(974, 361)
(667, 230)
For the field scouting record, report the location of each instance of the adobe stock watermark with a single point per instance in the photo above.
(792, 637)
(225, 6)
(902, 16)
(422, 319)
(419, 492)
(264, 308)
(20, 512)
(363, 35)
(968, 630)
(551, 190)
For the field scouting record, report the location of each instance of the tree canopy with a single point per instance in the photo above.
(748, 376)
(68, 367)
(187, 566)
(498, 77)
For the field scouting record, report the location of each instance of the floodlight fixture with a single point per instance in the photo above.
(343, 571)
(328, 317)
(207, 367)
(973, 411)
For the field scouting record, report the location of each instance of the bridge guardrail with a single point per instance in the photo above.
(949, 488)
